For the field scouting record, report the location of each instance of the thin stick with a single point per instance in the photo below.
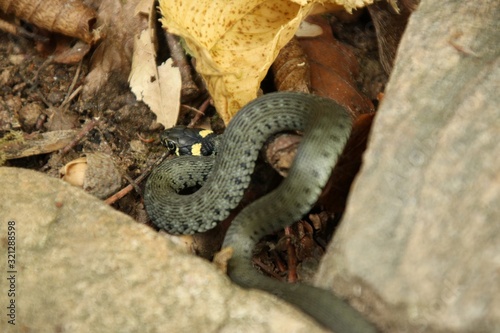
(34, 82)
(200, 113)
(8, 27)
(69, 96)
(292, 257)
(124, 191)
(83, 132)
(266, 269)
(189, 89)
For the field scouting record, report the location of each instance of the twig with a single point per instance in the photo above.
(80, 135)
(34, 82)
(200, 113)
(8, 27)
(83, 132)
(292, 256)
(124, 191)
(30, 35)
(120, 194)
(20, 31)
(133, 183)
(189, 89)
(144, 139)
(191, 108)
(69, 95)
(266, 269)
(70, 98)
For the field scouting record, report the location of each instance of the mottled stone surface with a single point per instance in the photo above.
(84, 267)
(419, 247)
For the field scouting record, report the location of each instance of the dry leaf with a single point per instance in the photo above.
(60, 119)
(334, 69)
(159, 87)
(70, 18)
(291, 69)
(114, 54)
(236, 42)
(72, 55)
(41, 143)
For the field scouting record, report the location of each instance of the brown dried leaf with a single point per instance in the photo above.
(71, 18)
(39, 144)
(114, 54)
(281, 150)
(291, 68)
(334, 69)
(72, 55)
(60, 119)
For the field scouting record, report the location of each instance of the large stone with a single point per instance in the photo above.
(84, 267)
(419, 247)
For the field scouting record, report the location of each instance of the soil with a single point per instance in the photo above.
(35, 97)
(33, 94)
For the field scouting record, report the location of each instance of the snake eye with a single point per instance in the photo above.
(171, 146)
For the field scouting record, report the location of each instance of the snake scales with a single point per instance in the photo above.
(326, 127)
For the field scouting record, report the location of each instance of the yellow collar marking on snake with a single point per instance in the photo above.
(196, 149)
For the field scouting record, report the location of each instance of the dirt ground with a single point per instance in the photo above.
(33, 95)
(38, 96)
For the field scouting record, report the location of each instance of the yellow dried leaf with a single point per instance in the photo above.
(235, 42)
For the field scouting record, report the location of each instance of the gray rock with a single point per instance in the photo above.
(84, 267)
(419, 247)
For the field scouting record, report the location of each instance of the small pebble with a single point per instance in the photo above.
(28, 115)
(16, 59)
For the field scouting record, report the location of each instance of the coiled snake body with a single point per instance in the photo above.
(326, 127)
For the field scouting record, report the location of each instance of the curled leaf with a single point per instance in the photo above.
(291, 69)
(71, 18)
(334, 69)
(235, 42)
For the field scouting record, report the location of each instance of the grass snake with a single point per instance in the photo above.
(223, 179)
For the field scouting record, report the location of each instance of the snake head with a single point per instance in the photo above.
(188, 141)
